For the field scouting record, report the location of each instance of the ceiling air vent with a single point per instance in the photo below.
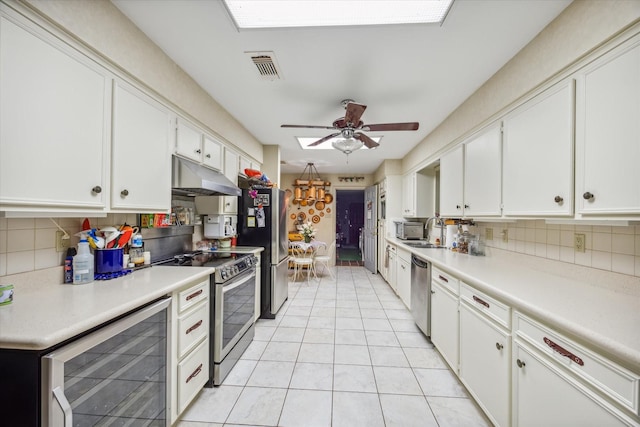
(266, 64)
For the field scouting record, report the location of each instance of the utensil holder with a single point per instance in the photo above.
(108, 260)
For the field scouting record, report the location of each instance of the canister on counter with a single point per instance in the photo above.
(6, 294)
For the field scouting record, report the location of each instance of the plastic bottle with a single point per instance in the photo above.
(83, 264)
(136, 252)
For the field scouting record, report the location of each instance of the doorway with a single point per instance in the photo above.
(349, 225)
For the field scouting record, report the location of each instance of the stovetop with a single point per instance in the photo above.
(227, 264)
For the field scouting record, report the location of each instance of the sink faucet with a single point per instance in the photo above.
(440, 222)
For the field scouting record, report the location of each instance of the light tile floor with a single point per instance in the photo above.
(339, 353)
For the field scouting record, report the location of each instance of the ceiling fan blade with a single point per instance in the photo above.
(326, 138)
(354, 112)
(391, 126)
(307, 126)
(370, 143)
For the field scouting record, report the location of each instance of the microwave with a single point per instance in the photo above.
(409, 230)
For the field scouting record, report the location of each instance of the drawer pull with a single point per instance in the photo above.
(499, 346)
(479, 301)
(563, 352)
(443, 278)
(195, 294)
(194, 374)
(194, 327)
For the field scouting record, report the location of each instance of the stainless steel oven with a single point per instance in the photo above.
(233, 310)
(234, 316)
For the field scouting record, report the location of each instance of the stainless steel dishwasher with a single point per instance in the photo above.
(421, 293)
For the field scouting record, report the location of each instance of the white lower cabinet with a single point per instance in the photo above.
(544, 395)
(190, 316)
(445, 323)
(403, 277)
(485, 359)
(391, 271)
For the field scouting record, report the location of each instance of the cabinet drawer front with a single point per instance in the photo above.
(487, 305)
(192, 328)
(446, 280)
(193, 295)
(617, 382)
(193, 373)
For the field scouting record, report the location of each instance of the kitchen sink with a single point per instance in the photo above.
(419, 244)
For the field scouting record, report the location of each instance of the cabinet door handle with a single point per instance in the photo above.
(198, 151)
(195, 294)
(402, 266)
(558, 199)
(480, 301)
(433, 292)
(499, 346)
(444, 279)
(520, 363)
(208, 156)
(458, 206)
(194, 327)
(194, 374)
(588, 196)
(466, 206)
(563, 352)
(97, 189)
(124, 193)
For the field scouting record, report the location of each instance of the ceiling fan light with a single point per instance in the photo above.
(347, 145)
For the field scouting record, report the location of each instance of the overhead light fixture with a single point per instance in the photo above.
(347, 145)
(305, 141)
(311, 187)
(328, 13)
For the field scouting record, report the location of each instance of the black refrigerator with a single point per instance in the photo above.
(262, 218)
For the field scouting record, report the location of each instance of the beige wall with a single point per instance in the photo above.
(326, 228)
(99, 24)
(582, 26)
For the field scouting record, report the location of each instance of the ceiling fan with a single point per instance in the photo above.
(351, 128)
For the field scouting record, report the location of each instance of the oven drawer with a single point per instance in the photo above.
(192, 328)
(193, 295)
(193, 373)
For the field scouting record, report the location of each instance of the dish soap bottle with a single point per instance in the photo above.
(83, 264)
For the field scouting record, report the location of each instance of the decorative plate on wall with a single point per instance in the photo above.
(292, 216)
(311, 211)
(328, 210)
(321, 213)
(302, 216)
(320, 205)
(315, 219)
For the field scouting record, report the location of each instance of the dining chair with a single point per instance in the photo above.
(302, 257)
(324, 257)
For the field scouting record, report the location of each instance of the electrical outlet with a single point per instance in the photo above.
(505, 235)
(488, 234)
(579, 242)
(61, 244)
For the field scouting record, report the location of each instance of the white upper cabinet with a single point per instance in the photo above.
(54, 135)
(231, 165)
(418, 196)
(538, 155)
(141, 152)
(470, 176)
(608, 133)
(189, 141)
(451, 183)
(483, 173)
(212, 153)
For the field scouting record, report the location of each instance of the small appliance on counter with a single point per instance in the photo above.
(409, 230)
(220, 226)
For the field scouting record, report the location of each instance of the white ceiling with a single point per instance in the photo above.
(403, 73)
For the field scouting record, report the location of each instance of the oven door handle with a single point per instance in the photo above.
(235, 284)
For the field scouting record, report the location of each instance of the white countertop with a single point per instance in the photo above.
(45, 313)
(593, 306)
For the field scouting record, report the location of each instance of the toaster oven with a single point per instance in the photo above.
(409, 230)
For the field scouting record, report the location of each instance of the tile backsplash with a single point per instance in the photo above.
(28, 244)
(609, 248)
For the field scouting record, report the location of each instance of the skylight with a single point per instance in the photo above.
(328, 13)
(304, 142)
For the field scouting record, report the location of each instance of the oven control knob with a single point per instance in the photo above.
(236, 270)
(223, 274)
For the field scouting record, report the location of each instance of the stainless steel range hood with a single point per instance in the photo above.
(191, 179)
